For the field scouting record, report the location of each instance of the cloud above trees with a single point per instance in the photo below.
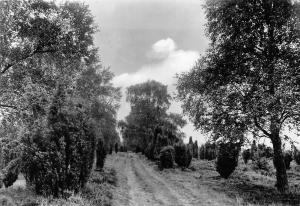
(167, 60)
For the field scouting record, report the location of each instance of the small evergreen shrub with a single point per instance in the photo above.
(11, 172)
(246, 154)
(138, 149)
(149, 152)
(261, 163)
(116, 147)
(227, 158)
(166, 157)
(100, 154)
(207, 151)
(183, 155)
(297, 157)
(195, 150)
(287, 159)
(265, 151)
(190, 145)
(161, 142)
(110, 149)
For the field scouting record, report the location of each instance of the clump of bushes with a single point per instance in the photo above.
(207, 151)
(183, 155)
(256, 152)
(123, 148)
(100, 155)
(166, 157)
(265, 151)
(261, 163)
(227, 158)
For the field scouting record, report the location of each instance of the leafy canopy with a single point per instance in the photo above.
(249, 78)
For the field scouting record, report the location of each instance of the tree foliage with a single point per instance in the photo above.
(56, 98)
(148, 125)
(248, 80)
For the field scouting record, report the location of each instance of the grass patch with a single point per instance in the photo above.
(249, 186)
(98, 192)
(99, 188)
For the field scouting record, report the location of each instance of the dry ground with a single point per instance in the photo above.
(130, 179)
(141, 183)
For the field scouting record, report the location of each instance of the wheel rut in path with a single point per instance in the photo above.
(140, 184)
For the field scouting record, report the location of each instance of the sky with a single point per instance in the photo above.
(144, 40)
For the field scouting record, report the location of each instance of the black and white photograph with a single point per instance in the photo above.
(149, 102)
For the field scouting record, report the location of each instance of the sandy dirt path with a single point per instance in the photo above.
(140, 183)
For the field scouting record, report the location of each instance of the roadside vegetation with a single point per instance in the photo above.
(58, 109)
(58, 106)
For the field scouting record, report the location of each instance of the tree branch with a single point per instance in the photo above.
(7, 67)
(260, 127)
(8, 106)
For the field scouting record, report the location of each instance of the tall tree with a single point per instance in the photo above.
(149, 104)
(44, 45)
(249, 78)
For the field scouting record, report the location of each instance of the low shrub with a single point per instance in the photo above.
(149, 151)
(100, 155)
(195, 150)
(166, 157)
(287, 159)
(227, 158)
(161, 142)
(138, 149)
(110, 149)
(116, 147)
(246, 154)
(207, 151)
(265, 151)
(11, 172)
(183, 155)
(297, 157)
(261, 163)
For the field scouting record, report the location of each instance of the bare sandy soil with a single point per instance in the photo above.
(140, 183)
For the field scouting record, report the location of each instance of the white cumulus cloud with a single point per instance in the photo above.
(163, 70)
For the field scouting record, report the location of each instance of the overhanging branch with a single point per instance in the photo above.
(260, 127)
(7, 67)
